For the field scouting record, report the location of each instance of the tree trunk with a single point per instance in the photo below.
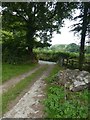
(82, 44)
(30, 42)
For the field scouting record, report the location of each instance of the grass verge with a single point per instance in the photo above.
(54, 71)
(56, 106)
(9, 70)
(15, 91)
(0, 73)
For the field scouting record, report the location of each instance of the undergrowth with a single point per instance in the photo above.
(56, 106)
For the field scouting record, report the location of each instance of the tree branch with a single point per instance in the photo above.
(19, 15)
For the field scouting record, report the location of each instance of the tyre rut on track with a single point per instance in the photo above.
(12, 82)
(29, 105)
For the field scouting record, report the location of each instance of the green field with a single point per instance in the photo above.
(9, 70)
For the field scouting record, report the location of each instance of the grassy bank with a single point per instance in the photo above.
(0, 73)
(56, 106)
(54, 71)
(9, 70)
(15, 91)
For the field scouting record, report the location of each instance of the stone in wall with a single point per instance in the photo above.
(74, 80)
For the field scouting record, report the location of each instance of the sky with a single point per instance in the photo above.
(66, 37)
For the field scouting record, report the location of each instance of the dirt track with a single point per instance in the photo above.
(12, 82)
(29, 105)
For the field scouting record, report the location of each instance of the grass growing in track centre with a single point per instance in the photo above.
(15, 91)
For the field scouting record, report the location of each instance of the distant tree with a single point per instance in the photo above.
(88, 49)
(58, 47)
(72, 47)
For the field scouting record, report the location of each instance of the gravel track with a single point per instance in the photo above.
(12, 82)
(29, 106)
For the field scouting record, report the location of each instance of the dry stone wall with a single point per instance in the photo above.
(74, 80)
